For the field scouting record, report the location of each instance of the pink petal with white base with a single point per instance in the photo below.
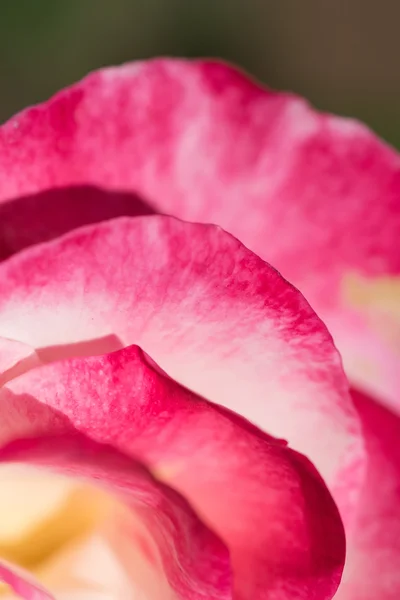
(266, 502)
(212, 314)
(315, 195)
(373, 552)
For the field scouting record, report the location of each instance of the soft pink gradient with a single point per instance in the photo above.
(315, 195)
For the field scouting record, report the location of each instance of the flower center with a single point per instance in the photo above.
(42, 515)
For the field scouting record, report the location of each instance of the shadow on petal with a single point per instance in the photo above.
(44, 216)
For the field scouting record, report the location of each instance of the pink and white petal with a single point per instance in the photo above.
(212, 314)
(183, 559)
(266, 502)
(373, 552)
(315, 195)
(23, 583)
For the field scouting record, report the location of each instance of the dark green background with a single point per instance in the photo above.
(343, 55)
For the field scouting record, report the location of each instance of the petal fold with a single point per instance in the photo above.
(211, 313)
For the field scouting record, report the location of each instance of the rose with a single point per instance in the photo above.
(313, 195)
(210, 312)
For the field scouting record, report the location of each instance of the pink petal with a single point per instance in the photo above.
(212, 314)
(266, 502)
(373, 554)
(22, 583)
(315, 195)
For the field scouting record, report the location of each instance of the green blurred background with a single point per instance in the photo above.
(341, 54)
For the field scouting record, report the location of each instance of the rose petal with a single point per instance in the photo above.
(211, 313)
(317, 196)
(23, 583)
(265, 501)
(373, 554)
